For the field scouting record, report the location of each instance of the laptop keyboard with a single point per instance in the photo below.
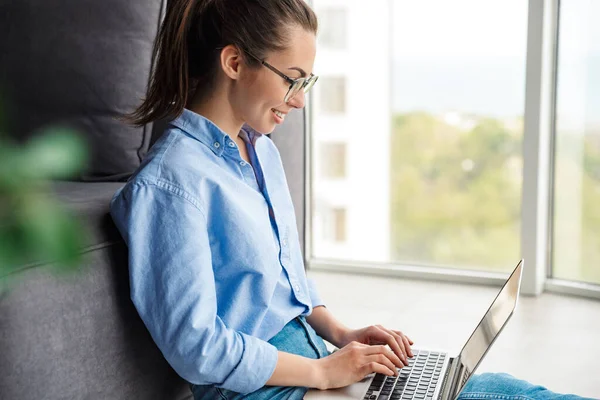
(417, 380)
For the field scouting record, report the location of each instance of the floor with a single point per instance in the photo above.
(552, 340)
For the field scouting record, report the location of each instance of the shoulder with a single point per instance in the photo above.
(176, 163)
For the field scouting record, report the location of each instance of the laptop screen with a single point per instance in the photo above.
(489, 327)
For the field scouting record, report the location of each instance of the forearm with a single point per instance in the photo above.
(326, 326)
(294, 370)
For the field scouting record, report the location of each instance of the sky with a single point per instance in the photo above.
(470, 55)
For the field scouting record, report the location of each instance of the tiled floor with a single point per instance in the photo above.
(552, 340)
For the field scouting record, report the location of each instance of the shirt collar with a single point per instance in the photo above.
(208, 133)
(249, 135)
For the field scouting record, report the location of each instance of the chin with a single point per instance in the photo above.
(262, 127)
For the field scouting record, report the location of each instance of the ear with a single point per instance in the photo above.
(231, 61)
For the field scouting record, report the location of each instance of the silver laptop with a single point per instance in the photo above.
(434, 374)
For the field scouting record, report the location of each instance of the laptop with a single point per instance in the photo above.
(434, 374)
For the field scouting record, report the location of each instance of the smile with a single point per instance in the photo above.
(278, 113)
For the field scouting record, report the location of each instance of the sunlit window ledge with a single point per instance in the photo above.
(579, 289)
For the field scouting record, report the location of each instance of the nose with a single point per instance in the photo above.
(298, 100)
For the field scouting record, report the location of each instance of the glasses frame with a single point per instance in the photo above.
(296, 84)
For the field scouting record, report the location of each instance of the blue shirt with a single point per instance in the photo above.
(215, 264)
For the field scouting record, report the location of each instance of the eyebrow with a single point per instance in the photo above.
(299, 70)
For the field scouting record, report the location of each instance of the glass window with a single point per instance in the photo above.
(332, 24)
(332, 94)
(335, 225)
(435, 123)
(333, 160)
(576, 224)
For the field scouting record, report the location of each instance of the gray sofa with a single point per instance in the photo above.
(80, 63)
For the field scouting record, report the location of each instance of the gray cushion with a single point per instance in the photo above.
(80, 63)
(89, 202)
(79, 336)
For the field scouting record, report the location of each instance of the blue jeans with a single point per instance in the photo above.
(298, 337)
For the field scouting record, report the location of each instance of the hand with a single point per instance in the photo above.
(353, 362)
(377, 334)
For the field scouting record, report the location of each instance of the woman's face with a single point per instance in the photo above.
(262, 91)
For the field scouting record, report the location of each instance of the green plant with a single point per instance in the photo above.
(34, 226)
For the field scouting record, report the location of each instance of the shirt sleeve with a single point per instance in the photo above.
(315, 298)
(173, 289)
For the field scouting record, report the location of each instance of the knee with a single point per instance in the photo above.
(501, 383)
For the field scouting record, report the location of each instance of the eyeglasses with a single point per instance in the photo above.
(305, 83)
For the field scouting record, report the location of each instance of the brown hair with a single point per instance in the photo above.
(187, 48)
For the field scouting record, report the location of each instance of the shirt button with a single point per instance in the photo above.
(297, 287)
(284, 242)
(217, 145)
(231, 144)
(242, 163)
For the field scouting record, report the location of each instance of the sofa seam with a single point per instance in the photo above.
(83, 250)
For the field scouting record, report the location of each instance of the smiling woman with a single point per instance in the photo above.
(216, 268)
(202, 60)
(215, 264)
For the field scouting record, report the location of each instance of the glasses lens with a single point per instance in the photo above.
(294, 89)
(310, 83)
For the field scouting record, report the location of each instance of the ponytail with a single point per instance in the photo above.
(169, 86)
(185, 53)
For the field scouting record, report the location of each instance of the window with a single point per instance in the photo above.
(335, 225)
(332, 32)
(576, 223)
(350, 109)
(332, 91)
(436, 115)
(333, 160)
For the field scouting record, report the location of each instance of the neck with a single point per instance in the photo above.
(217, 109)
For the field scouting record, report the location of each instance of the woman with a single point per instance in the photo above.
(216, 269)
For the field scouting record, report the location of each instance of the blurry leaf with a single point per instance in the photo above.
(9, 253)
(14, 250)
(10, 179)
(34, 228)
(54, 232)
(3, 121)
(56, 154)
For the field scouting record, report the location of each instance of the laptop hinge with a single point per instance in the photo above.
(449, 385)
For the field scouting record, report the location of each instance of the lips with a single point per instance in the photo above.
(279, 113)
(278, 116)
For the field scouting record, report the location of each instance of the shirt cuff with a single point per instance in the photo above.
(315, 299)
(256, 367)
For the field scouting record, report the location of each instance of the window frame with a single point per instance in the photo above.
(538, 179)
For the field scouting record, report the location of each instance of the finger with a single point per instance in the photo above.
(402, 344)
(371, 367)
(381, 359)
(409, 340)
(386, 336)
(382, 349)
(407, 343)
(396, 344)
